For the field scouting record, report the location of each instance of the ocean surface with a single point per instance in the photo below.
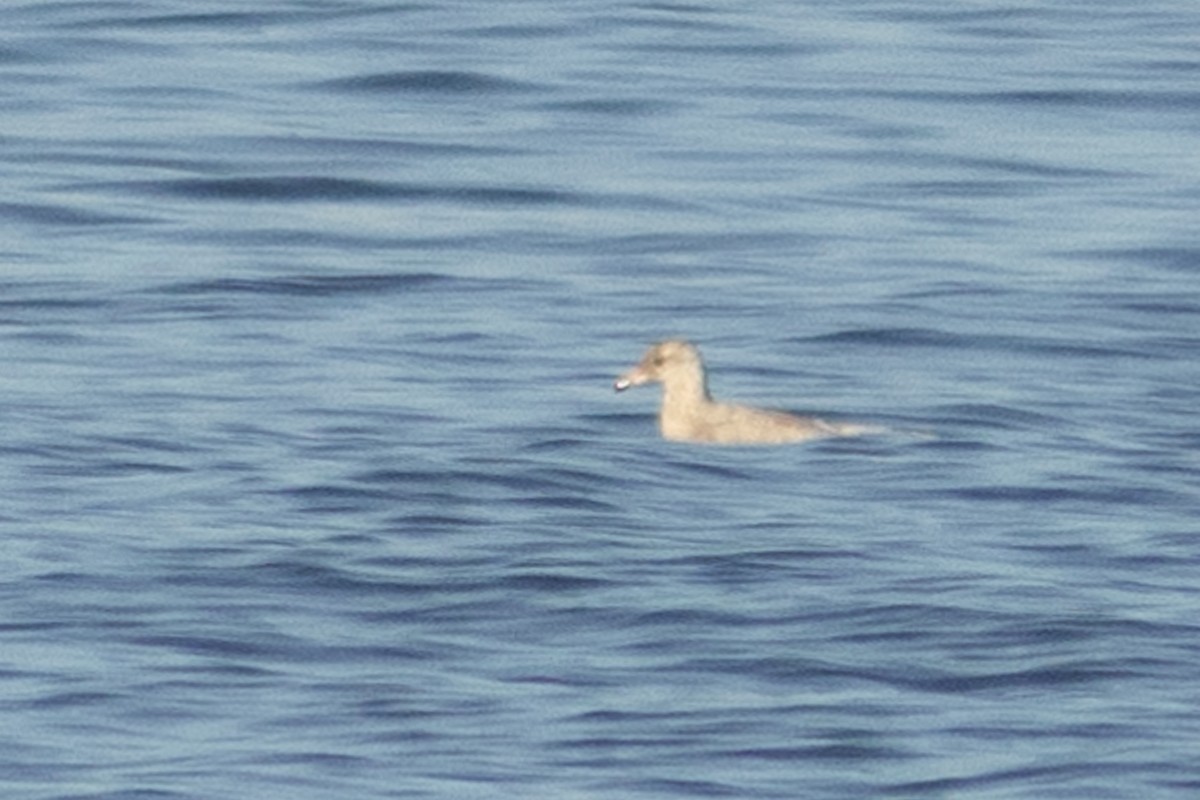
(314, 484)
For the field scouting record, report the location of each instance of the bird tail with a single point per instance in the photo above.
(856, 429)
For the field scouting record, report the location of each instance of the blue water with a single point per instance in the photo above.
(314, 485)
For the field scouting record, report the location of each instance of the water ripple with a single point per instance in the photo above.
(298, 189)
(438, 82)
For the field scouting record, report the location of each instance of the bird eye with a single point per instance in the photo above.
(658, 361)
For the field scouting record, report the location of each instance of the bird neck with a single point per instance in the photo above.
(686, 391)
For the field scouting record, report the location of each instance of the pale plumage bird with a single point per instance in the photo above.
(689, 414)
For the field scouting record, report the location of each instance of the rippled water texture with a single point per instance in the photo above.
(314, 484)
